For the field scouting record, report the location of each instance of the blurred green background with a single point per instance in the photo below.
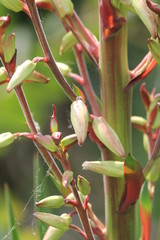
(16, 161)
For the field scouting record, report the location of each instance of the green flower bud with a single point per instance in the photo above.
(64, 7)
(139, 123)
(108, 168)
(9, 48)
(3, 74)
(145, 142)
(68, 140)
(83, 185)
(154, 173)
(53, 121)
(79, 119)
(107, 136)
(53, 233)
(154, 47)
(59, 222)
(68, 41)
(67, 178)
(14, 5)
(65, 69)
(37, 77)
(51, 202)
(46, 141)
(146, 15)
(21, 73)
(6, 139)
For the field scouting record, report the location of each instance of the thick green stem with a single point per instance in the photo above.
(116, 109)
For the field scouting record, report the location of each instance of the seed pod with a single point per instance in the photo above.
(14, 5)
(51, 202)
(108, 168)
(9, 48)
(83, 185)
(139, 123)
(68, 41)
(36, 77)
(68, 140)
(21, 73)
(64, 7)
(146, 15)
(60, 222)
(46, 141)
(53, 121)
(3, 74)
(107, 136)
(79, 119)
(6, 139)
(67, 177)
(53, 233)
(64, 68)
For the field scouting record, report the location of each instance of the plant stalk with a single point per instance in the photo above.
(116, 109)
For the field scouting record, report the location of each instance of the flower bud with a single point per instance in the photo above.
(108, 168)
(3, 74)
(45, 4)
(154, 47)
(51, 202)
(53, 121)
(79, 119)
(67, 178)
(58, 185)
(107, 136)
(37, 77)
(146, 15)
(64, 7)
(53, 233)
(46, 141)
(14, 5)
(145, 142)
(139, 123)
(68, 41)
(9, 48)
(68, 140)
(60, 222)
(6, 139)
(83, 185)
(64, 68)
(21, 73)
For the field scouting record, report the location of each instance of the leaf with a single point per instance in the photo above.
(133, 182)
(154, 47)
(107, 136)
(14, 5)
(9, 48)
(145, 211)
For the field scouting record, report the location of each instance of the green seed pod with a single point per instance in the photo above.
(64, 68)
(6, 139)
(68, 41)
(60, 222)
(108, 168)
(79, 119)
(83, 185)
(68, 140)
(64, 7)
(14, 5)
(146, 15)
(53, 233)
(21, 73)
(51, 202)
(9, 48)
(67, 177)
(46, 141)
(3, 74)
(107, 136)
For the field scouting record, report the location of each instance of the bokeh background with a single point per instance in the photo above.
(16, 161)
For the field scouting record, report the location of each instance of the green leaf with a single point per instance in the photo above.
(108, 168)
(107, 136)
(14, 5)
(11, 217)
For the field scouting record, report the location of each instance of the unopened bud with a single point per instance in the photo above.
(51, 202)
(14, 5)
(67, 177)
(21, 73)
(56, 136)
(68, 140)
(44, 4)
(68, 41)
(154, 173)
(64, 7)
(139, 123)
(9, 48)
(37, 77)
(79, 119)
(154, 47)
(3, 74)
(53, 233)
(107, 136)
(64, 68)
(83, 185)
(60, 222)
(6, 139)
(53, 121)
(58, 185)
(146, 15)
(46, 141)
(108, 168)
